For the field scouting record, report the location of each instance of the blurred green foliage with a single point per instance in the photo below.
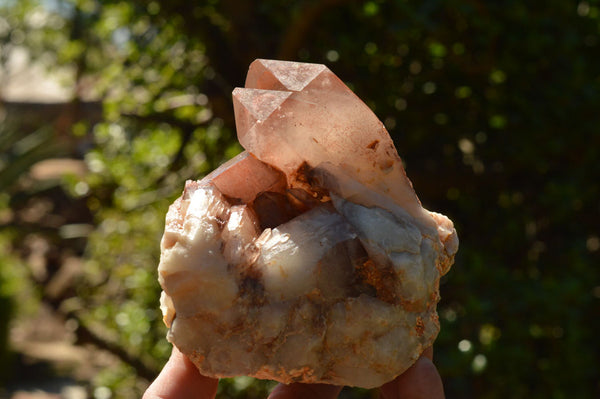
(492, 105)
(9, 285)
(18, 151)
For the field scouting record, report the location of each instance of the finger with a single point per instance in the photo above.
(180, 379)
(421, 381)
(301, 391)
(428, 353)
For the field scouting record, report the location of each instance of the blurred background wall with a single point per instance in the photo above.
(107, 107)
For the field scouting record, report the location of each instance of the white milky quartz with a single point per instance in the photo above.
(308, 257)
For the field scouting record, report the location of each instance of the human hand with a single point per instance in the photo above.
(420, 381)
(180, 379)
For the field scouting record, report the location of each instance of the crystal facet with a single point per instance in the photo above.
(308, 257)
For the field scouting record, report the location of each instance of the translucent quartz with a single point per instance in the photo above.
(319, 120)
(308, 257)
(243, 177)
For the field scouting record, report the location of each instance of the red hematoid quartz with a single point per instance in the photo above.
(308, 257)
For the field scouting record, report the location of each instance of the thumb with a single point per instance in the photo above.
(420, 381)
(180, 379)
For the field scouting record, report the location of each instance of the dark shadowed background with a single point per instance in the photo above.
(107, 107)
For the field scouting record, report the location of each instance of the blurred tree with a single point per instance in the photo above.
(493, 106)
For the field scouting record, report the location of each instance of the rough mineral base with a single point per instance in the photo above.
(308, 257)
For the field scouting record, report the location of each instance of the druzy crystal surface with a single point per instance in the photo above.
(308, 257)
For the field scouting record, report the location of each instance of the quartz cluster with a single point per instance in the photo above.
(308, 257)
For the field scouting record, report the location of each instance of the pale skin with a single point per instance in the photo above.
(180, 379)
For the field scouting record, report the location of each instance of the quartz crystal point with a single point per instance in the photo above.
(308, 257)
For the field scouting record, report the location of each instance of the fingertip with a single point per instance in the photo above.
(180, 379)
(428, 353)
(420, 381)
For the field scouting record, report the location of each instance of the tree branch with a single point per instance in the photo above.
(86, 335)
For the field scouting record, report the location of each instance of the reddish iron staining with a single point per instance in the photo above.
(420, 326)
(301, 174)
(386, 165)
(373, 145)
(304, 176)
(379, 278)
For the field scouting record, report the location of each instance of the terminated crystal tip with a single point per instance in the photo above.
(308, 257)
